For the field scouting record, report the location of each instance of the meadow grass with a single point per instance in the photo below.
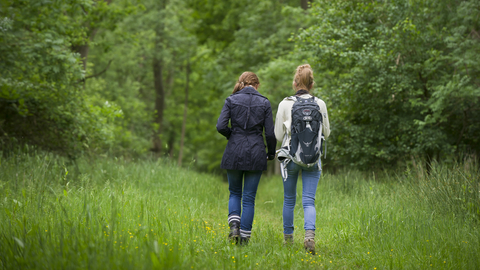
(116, 214)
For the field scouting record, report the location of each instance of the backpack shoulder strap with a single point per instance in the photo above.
(294, 98)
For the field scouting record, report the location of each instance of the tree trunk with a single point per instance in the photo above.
(171, 145)
(277, 170)
(304, 4)
(83, 51)
(159, 87)
(159, 105)
(84, 48)
(170, 78)
(185, 108)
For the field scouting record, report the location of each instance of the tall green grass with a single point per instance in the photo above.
(118, 214)
(453, 189)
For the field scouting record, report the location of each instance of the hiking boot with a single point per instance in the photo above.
(288, 239)
(309, 242)
(309, 245)
(244, 241)
(234, 231)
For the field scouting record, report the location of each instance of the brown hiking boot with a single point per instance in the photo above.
(288, 239)
(309, 242)
(309, 245)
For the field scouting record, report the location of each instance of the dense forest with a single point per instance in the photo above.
(401, 78)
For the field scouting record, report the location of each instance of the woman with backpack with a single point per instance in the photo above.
(249, 113)
(301, 139)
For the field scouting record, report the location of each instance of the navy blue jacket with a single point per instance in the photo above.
(249, 113)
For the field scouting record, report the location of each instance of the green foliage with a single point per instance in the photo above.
(41, 95)
(258, 41)
(399, 82)
(400, 78)
(217, 20)
(234, 43)
(129, 80)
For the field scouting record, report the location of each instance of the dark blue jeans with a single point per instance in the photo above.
(310, 177)
(249, 180)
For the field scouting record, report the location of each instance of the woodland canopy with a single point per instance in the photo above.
(401, 79)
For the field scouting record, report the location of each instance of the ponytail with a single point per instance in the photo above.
(303, 78)
(238, 86)
(247, 78)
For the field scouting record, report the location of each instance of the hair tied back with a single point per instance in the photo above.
(247, 78)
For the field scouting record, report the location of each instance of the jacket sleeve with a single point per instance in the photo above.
(279, 119)
(222, 122)
(326, 123)
(269, 131)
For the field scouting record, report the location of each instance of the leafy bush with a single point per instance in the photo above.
(42, 100)
(398, 82)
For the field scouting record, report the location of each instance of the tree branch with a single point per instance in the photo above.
(100, 73)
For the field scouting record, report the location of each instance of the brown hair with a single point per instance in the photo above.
(303, 78)
(247, 78)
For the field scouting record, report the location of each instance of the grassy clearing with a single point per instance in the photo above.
(114, 214)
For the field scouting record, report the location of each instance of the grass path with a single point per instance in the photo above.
(151, 215)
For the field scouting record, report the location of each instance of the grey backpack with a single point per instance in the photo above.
(306, 142)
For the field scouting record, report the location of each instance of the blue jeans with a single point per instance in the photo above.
(250, 180)
(310, 177)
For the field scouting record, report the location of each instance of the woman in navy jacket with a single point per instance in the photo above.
(245, 157)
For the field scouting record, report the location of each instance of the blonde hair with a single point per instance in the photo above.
(303, 78)
(247, 78)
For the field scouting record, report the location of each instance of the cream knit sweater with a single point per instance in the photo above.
(283, 120)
